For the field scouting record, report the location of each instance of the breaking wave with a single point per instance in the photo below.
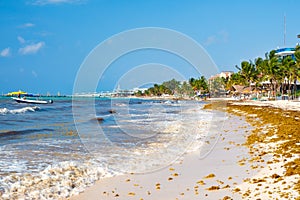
(4, 111)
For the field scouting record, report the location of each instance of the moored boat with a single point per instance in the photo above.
(32, 101)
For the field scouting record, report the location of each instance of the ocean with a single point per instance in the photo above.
(57, 150)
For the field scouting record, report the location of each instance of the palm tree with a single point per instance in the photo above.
(217, 86)
(199, 84)
(272, 69)
(172, 85)
(296, 73)
(288, 69)
(203, 84)
(235, 79)
(186, 89)
(260, 70)
(249, 72)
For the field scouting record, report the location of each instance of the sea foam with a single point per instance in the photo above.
(4, 111)
(60, 180)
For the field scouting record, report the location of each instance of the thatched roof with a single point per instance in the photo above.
(242, 89)
(246, 90)
(238, 88)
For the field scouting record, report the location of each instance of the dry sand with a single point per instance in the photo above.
(230, 171)
(282, 104)
(186, 179)
(274, 141)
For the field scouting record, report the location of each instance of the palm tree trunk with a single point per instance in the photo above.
(289, 92)
(295, 88)
(282, 88)
(275, 90)
(272, 87)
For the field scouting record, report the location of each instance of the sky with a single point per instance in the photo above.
(43, 43)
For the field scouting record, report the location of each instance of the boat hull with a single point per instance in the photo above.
(30, 101)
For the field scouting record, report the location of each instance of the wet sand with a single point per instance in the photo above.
(215, 176)
(256, 157)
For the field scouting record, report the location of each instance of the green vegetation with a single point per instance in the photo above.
(280, 72)
(200, 84)
(217, 86)
(177, 88)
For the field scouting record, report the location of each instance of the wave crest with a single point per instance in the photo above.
(4, 111)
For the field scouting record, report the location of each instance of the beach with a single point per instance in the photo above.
(240, 166)
(149, 100)
(274, 142)
(213, 176)
(46, 155)
(176, 150)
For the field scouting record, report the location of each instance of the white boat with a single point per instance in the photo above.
(31, 101)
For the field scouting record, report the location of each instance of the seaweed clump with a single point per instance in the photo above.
(274, 126)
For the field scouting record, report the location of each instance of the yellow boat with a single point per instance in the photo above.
(21, 99)
(16, 93)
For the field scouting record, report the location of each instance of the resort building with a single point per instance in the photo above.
(216, 88)
(223, 74)
(287, 51)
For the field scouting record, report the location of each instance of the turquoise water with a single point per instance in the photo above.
(106, 136)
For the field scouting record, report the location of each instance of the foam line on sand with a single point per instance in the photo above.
(214, 177)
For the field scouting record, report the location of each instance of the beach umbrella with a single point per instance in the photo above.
(16, 93)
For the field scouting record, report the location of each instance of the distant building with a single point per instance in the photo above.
(223, 74)
(139, 89)
(283, 52)
(216, 88)
(226, 74)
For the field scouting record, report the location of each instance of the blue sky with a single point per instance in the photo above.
(44, 42)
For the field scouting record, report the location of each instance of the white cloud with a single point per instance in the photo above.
(21, 40)
(224, 35)
(43, 33)
(27, 25)
(47, 2)
(220, 37)
(32, 48)
(5, 52)
(210, 40)
(34, 73)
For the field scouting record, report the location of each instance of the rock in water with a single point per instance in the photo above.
(111, 111)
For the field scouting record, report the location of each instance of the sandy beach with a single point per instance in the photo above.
(274, 141)
(215, 176)
(237, 167)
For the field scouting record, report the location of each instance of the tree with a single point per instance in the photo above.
(296, 73)
(235, 79)
(199, 85)
(217, 86)
(187, 89)
(139, 93)
(172, 85)
(248, 72)
(273, 70)
(288, 72)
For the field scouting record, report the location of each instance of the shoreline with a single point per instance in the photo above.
(254, 169)
(256, 156)
(275, 142)
(211, 177)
